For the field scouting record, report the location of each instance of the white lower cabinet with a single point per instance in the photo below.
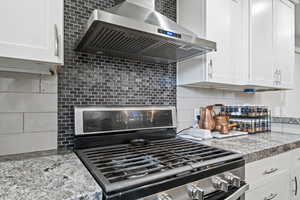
(274, 178)
(276, 189)
(295, 175)
(295, 178)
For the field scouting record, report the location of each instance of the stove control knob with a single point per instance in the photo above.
(195, 192)
(233, 179)
(220, 184)
(164, 196)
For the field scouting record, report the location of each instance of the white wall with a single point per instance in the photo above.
(28, 113)
(190, 98)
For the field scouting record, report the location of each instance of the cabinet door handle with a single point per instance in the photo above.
(296, 186)
(280, 77)
(210, 69)
(56, 44)
(271, 171)
(271, 196)
(276, 77)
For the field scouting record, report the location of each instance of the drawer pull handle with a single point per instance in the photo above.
(57, 42)
(271, 171)
(296, 186)
(271, 196)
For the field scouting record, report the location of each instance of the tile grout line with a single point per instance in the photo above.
(22, 92)
(23, 122)
(40, 84)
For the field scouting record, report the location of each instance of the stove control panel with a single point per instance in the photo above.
(195, 192)
(199, 190)
(164, 196)
(220, 184)
(233, 179)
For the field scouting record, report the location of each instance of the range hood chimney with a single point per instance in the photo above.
(134, 29)
(150, 4)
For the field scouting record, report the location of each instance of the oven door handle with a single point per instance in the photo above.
(239, 193)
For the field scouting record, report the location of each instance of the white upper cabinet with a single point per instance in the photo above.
(255, 44)
(31, 32)
(261, 42)
(219, 21)
(224, 25)
(218, 29)
(272, 43)
(284, 42)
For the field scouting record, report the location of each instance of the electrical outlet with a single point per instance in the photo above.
(196, 113)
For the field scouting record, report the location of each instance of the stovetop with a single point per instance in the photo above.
(156, 161)
(123, 167)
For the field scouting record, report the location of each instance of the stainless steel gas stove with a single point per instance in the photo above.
(133, 153)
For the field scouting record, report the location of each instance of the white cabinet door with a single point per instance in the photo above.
(218, 28)
(188, 16)
(261, 42)
(191, 15)
(295, 182)
(276, 189)
(219, 21)
(32, 30)
(295, 174)
(238, 42)
(224, 26)
(284, 42)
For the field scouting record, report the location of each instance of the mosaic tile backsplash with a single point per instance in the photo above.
(88, 79)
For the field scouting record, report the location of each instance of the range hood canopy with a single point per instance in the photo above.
(134, 29)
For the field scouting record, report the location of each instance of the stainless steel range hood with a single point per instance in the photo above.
(134, 29)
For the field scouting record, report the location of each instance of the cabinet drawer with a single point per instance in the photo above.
(295, 157)
(260, 171)
(276, 189)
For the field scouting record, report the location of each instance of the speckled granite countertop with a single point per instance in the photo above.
(46, 176)
(258, 146)
(62, 176)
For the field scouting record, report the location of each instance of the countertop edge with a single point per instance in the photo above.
(270, 152)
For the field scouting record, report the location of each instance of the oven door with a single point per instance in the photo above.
(181, 194)
(239, 194)
(234, 194)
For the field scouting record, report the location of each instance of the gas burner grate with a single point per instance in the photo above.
(126, 162)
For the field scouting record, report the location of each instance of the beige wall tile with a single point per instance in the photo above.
(49, 84)
(11, 123)
(27, 142)
(40, 122)
(17, 82)
(19, 102)
(28, 113)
